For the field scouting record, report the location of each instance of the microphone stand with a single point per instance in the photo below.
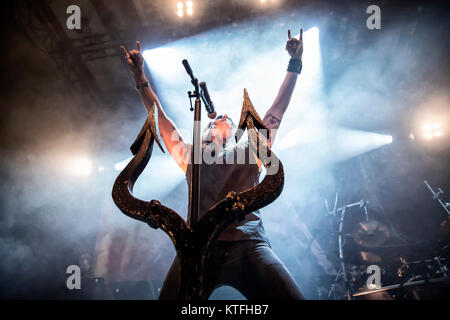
(200, 93)
(196, 146)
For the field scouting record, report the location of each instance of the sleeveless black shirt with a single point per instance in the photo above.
(232, 170)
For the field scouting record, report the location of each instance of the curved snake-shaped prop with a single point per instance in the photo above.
(193, 243)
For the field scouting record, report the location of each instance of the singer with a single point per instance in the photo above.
(242, 257)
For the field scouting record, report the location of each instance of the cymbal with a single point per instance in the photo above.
(395, 253)
(370, 233)
(366, 257)
(363, 258)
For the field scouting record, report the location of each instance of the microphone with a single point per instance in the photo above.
(204, 93)
(188, 68)
(207, 100)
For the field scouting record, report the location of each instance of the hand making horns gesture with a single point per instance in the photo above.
(295, 47)
(135, 59)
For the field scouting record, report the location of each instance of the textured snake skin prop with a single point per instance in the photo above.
(193, 243)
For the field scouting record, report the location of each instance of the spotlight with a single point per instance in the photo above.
(431, 131)
(266, 1)
(81, 167)
(186, 7)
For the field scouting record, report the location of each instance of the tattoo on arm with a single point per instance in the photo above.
(186, 154)
(272, 123)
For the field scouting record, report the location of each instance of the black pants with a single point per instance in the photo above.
(251, 267)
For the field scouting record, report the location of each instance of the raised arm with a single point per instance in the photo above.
(179, 150)
(274, 115)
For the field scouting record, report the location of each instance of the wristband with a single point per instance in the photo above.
(295, 65)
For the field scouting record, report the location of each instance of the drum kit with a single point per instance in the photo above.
(372, 268)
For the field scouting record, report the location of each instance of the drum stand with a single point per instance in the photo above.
(438, 196)
(342, 273)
